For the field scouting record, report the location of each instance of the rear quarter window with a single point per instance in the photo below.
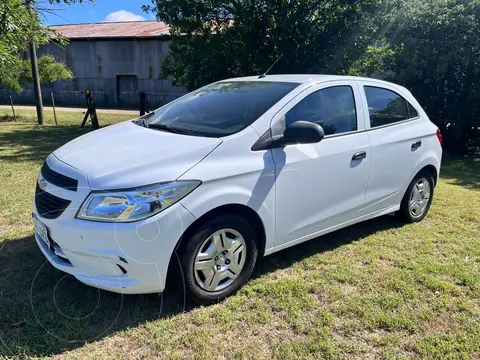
(387, 107)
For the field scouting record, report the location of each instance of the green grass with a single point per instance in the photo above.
(64, 118)
(380, 289)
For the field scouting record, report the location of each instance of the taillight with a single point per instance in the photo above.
(439, 136)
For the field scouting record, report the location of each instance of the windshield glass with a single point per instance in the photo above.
(220, 109)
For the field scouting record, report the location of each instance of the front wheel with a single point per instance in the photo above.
(218, 259)
(418, 198)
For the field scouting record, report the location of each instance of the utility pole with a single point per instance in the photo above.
(36, 78)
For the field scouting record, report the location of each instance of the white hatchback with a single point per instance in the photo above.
(231, 172)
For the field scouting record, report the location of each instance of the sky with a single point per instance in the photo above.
(100, 10)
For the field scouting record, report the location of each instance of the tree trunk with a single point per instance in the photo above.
(36, 78)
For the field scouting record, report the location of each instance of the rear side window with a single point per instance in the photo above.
(387, 107)
(333, 108)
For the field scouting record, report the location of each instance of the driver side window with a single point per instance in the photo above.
(333, 108)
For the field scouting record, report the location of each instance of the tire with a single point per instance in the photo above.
(200, 280)
(419, 191)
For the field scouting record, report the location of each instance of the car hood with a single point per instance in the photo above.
(127, 155)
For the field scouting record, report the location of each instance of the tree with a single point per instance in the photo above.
(20, 28)
(433, 49)
(49, 70)
(216, 39)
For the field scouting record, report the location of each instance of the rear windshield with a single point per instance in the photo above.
(220, 109)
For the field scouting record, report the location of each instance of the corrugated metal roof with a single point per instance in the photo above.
(130, 29)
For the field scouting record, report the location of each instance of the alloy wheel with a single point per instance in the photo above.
(220, 260)
(419, 198)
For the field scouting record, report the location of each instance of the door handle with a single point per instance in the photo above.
(359, 156)
(416, 145)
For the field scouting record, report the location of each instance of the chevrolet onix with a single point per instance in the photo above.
(229, 173)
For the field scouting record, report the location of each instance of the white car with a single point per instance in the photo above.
(229, 173)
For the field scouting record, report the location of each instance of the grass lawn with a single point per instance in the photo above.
(380, 289)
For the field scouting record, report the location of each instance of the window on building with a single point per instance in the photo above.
(333, 108)
(387, 107)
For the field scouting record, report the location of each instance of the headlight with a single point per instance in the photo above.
(135, 204)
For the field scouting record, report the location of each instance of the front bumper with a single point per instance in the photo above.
(128, 258)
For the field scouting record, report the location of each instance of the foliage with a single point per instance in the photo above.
(19, 27)
(435, 52)
(49, 70)
(375, 62)
(215, 39)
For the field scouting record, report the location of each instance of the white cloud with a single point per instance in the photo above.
(123, 15)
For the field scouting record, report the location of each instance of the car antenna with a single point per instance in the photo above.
(266, 72)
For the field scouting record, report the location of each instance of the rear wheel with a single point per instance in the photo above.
(418, 198)
(218, 258)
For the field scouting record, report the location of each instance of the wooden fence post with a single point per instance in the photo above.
(13, 109)
(54, 112)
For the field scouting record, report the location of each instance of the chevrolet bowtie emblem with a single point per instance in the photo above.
(42, 183)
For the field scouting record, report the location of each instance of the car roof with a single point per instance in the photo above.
(306, 78)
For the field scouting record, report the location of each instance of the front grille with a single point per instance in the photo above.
(58, 179)
(49, 206)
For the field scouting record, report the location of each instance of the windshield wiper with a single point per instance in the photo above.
(165, 128)
(142, 120)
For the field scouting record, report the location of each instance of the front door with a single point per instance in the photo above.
(322, 185)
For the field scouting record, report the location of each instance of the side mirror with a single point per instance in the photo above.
(303, 132)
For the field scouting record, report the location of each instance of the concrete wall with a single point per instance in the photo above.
(116, 71)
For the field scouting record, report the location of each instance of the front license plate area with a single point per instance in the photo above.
(41, 230)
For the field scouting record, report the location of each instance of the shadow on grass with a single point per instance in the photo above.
(461, 171)
(7, 118)
(10, 120)
(46, 312)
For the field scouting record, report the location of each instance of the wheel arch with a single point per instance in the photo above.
(432, 170)
(403, 212)
(430, 163)
(426, 165)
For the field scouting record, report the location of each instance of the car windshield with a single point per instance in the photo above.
(220, 109)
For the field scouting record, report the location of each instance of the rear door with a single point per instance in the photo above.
(398, 138)
(319, 186)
